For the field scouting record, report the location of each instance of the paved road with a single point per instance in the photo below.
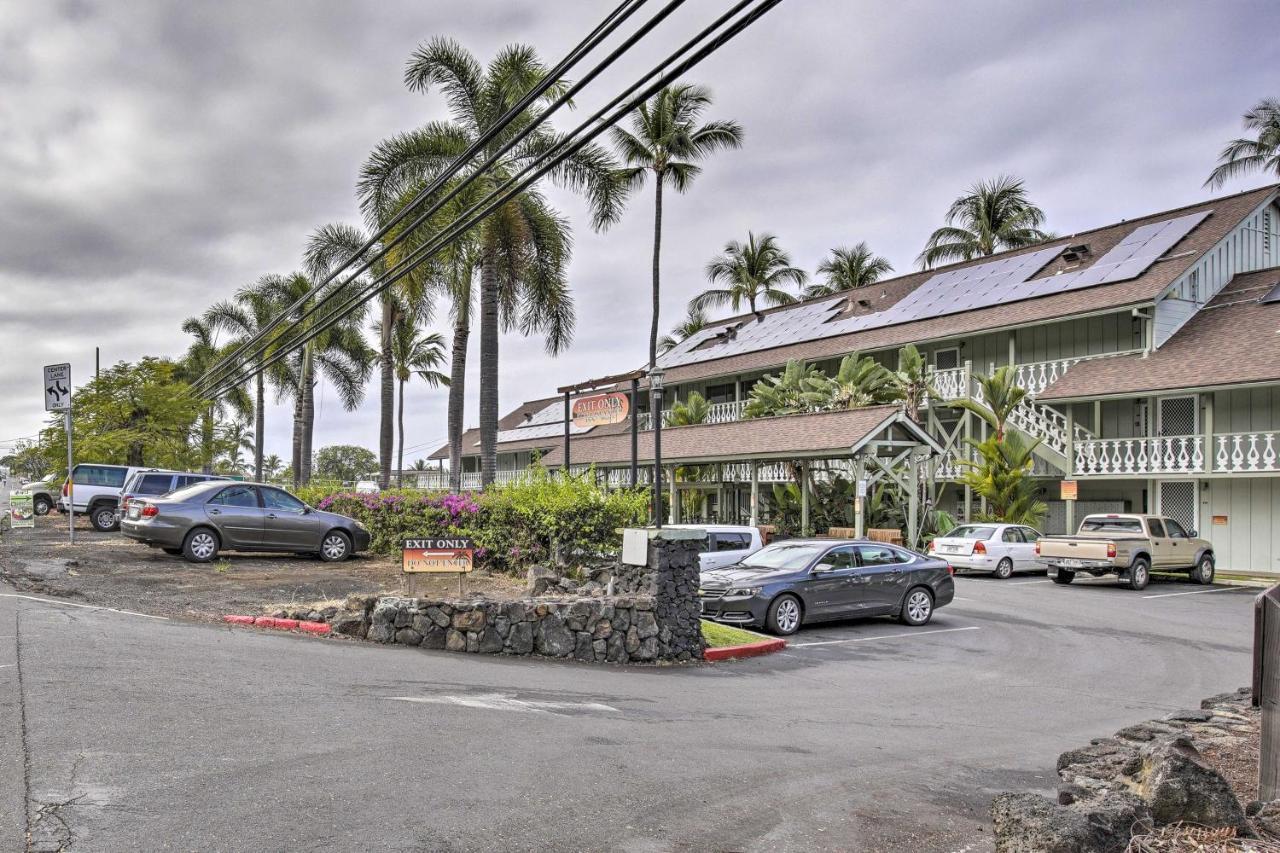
(157, 735)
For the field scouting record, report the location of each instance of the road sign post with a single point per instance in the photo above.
(57, 398)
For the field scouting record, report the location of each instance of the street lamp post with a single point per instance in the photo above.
(655, 412)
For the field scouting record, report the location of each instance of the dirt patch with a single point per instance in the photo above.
(109, 570)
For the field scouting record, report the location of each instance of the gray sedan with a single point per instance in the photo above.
(799, 581)
(200, 520)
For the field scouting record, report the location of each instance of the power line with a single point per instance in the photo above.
(619, 15)
(555, 154)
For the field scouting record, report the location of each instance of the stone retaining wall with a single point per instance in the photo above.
(653, 616)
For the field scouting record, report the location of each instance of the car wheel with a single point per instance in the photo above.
(1064, 577)
(1004, 569)
(172, 552)
(103, 518)
(1139, 574)
(200, 546)
(41, 506)
(336, 547)
(917, 608)
(784, 615)
(1203, 572)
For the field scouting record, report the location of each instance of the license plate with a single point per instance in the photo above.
(1073, 564)
(133, 512)
(953, 549)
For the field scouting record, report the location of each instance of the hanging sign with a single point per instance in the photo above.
(600, 410)
(21, 510)
(442, 554)
(1070, 490)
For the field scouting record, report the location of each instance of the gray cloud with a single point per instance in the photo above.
(154, 157)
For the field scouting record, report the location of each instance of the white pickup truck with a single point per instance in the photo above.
(1129, 546)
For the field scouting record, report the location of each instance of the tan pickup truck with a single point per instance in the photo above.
(1130, 546)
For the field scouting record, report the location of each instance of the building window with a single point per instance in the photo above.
(720, 393)
(946, 359)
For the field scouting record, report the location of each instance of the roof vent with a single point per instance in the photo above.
(864, 303)
(1071, 254)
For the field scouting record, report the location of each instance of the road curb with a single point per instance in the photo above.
(279, 624)
(746, 650)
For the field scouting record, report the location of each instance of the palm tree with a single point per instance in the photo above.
(666, 139)
(912, 379)
(237, 437)
(244, 316)
(1000, 394)
(1003, 479)
(694, 321)
(338, 354)
(1262, 154)
(848, 269)
(272, 465)
(202, 354)
(754, 271)
(414, 354)
(420, 465)
(522, 248)
(860, 382)
(992, 216)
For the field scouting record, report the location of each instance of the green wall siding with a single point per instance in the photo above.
(1250, 540)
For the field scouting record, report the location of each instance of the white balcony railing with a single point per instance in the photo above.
(717, 413)
(1240, 452)
(1035, 376)
(1173, 454)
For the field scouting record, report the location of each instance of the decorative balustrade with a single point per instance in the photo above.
(950, 384)
(1240, 452)
(717, 413)
(1172, 454)
(1035, 376)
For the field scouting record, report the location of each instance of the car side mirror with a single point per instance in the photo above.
(821, 570)
(307, 510)
(1192, 533)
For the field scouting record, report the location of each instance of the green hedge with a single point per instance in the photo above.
(513, 525)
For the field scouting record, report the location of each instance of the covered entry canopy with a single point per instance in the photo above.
(880, 443)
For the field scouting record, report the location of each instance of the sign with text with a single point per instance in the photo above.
(1070, 490)
(600, 410)
(438, 554)
(57, 387)
(21, 510)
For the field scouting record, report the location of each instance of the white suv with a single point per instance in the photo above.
(727, 544)
(94, 490)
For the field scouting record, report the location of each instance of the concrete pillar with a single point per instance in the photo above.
(859, 504)
(913, 500)
(674, 512)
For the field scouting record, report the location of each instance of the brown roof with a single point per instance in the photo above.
(471, 437)
(1228, 211)
(827, 432)
(1233, 340)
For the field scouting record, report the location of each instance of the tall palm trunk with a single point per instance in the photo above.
(297, 435)
(400, 452)
(488, 368)
(206, 440)
(457, 395)
(657, 252)
(386, 436)
(308, 412)
(259, 426)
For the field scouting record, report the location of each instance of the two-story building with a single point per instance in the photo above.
(1150, 348)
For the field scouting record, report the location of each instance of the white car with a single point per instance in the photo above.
(1000, 549)
(727, 544)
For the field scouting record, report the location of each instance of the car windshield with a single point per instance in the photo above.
(1103, 524)
(783, 556)
(970, 531)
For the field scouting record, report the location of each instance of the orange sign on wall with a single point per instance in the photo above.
(1070, 490)
(600, 410)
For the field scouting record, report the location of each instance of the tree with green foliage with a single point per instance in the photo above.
(860, 381)
(202, 354)
(522, 249)
(694, 321)
(666, 138)
(999, 395)
(141, 414)
(414, 353)
(1245, 155)
(912, 380)
(991, 217)
(272, 465)
(798, 388)
(848, 269)
(757, 271)
(694, 409)
(1002, 477)
(236, 439)
(345, 463)
(27, 461)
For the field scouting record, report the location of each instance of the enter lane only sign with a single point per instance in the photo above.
(444, 555)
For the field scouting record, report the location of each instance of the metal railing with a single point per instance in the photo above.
(1266, 689)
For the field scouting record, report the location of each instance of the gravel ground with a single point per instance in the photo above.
(108, 570)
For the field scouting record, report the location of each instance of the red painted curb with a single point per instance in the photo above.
(747, 650)
(279, 624)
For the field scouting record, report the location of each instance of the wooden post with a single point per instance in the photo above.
(859, 503)
(755, 493)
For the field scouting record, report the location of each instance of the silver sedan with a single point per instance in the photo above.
(202, 519)
(998, 548)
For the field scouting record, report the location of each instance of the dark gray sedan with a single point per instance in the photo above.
(200, 520)
(800, 581)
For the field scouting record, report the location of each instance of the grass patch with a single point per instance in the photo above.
(718, 636)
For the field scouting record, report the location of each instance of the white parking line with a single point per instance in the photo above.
(85, 606)
(1196, 592)
(1024, 583)
(500, 702)
(905, 635)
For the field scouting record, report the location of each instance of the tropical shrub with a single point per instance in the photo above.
(1003, 478)
(859, 381)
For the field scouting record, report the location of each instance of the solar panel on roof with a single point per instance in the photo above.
(955, 291)
(1272, 296)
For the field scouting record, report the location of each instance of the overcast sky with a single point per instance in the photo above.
(156, 156)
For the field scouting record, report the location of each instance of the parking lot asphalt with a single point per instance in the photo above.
(152, 734)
